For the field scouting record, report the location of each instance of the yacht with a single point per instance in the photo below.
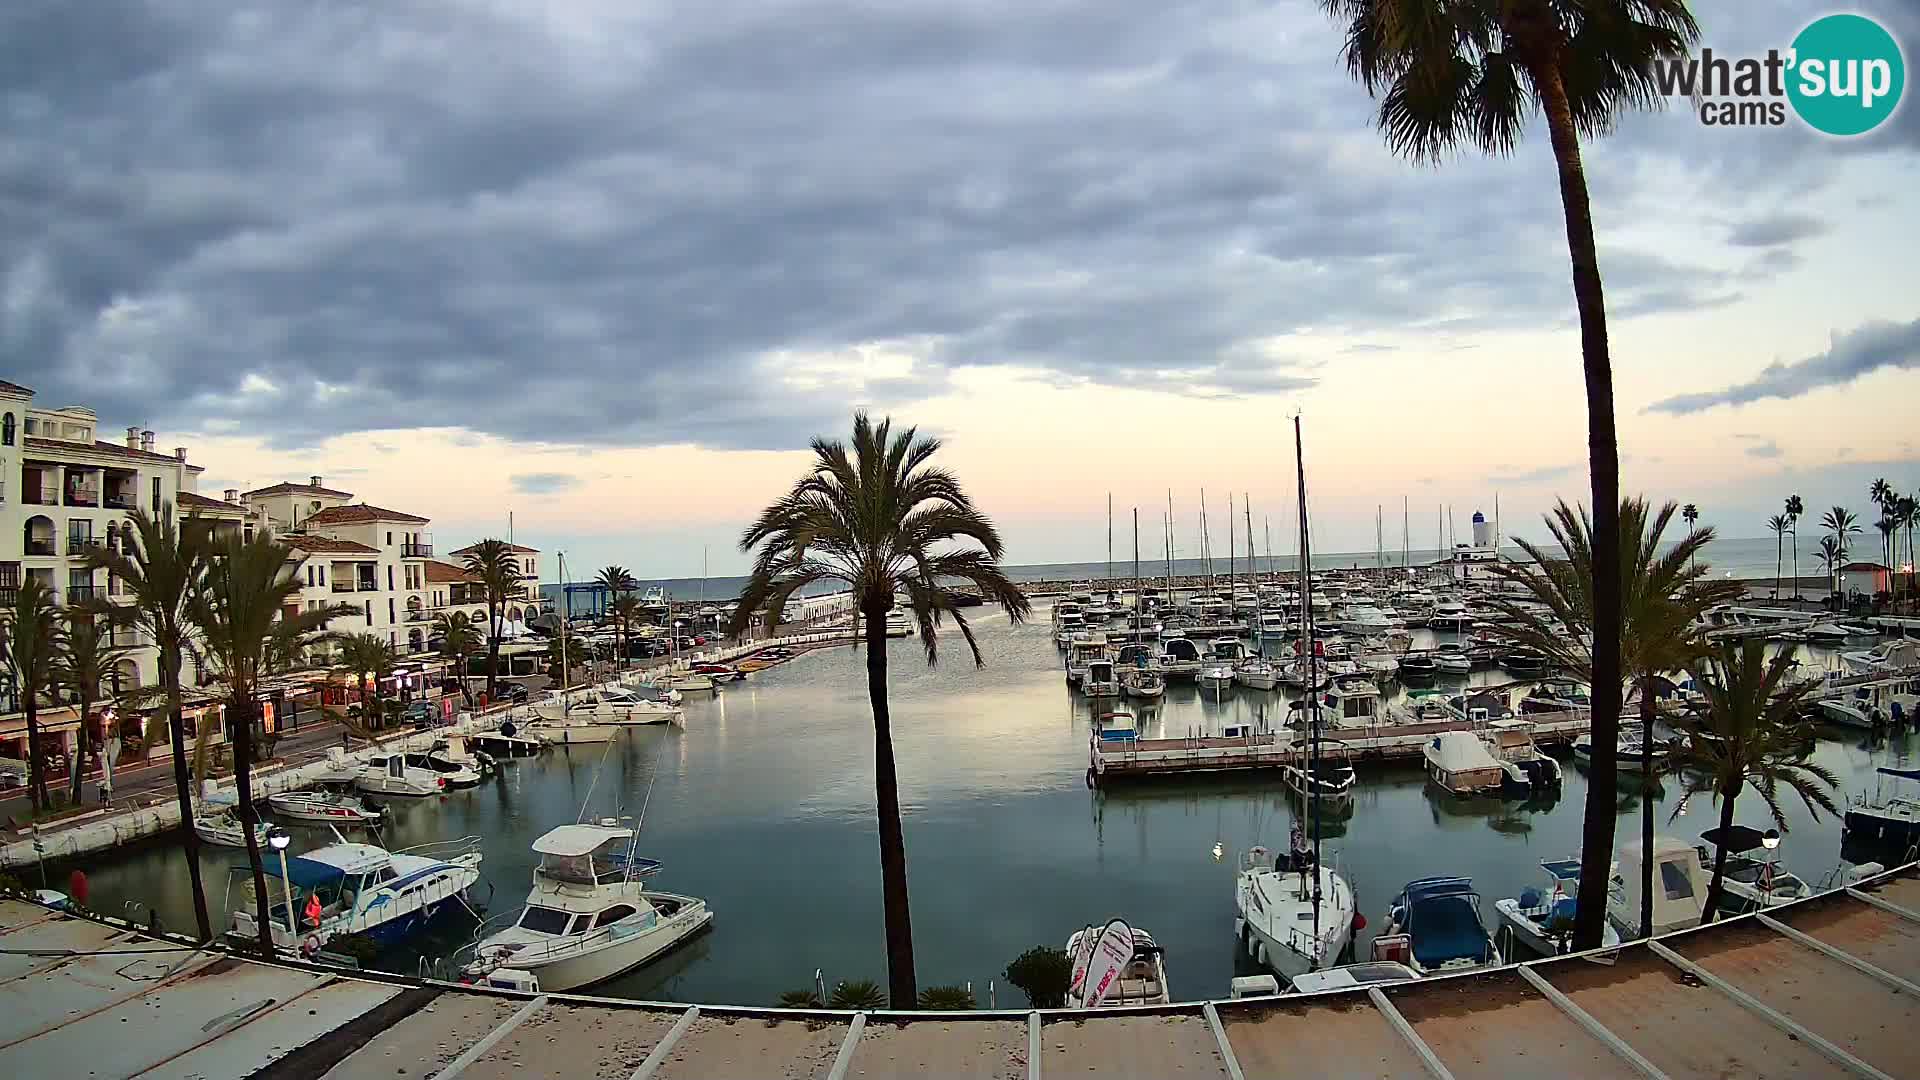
(1629, 755)
(1523, 661)
(1067, 620)
(1143, 682)
(588, 917)
(1083, 651)
(1750, 884)
(1434, 926)
(1143, 981)
(1216, 675)
(1099, 681)
(1541, 918)
(1528, 770)
(654, 601)
(619, 705)
(1452, 658)
(324, 808)
(1883, 823)
(1891, 658)
(1329, 778)
(1416, 666)
(389, 774)
(1282, 902)
(1680, 887)
(688, 682)
(1179, 658)
(222, 827)
(1354, 702)
(1256, 673)
(345, 888)
(1556, 695)
(1272, 628)
(1363, 619)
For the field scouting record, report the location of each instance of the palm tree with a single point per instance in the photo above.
(493, 562)
(1690, 514)
(245, 602)
(1795, 508)
(84, 664)
(1889, 527)
(370, 658)
(458, 641)
(1831, 556)
(1842, 524)
(1749, 732)
(618, 583)
(1468, 73)
(157, 564)
(880, 520)
(1663, 595)
(29, 642)
(1908, 511)
(626, 610)
(1779, 524)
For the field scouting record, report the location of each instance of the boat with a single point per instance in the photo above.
(1179, 658)
(1434, 926)
(719, 672)
(1099, 681)
(1556, 695)
(1680, 887)
(1256, 673)
(1883, 823)
(1216, 675)
(389, 774)
(1528, 769)
(1353, 701)
(1068, 619)
(1542, 918)
(508, 742)
(1750, 884)
(222, 827)
(1350, 976)
(1295, 918)
(1363, 619)
(1629, 755)
(1118, 726)
(688, 682)
(575, 731)
(1890, 658)
(1417, 666)
(1330, 776)
(619, 705)
(588, 917)
(1460, 764)
(1083, 651)
(1143, 682)
(1452, 658)
(324, 808)
(1449, 616)
(1143, 981)
(1523, 661)
(1844, 711)
(1271, 628)
(345, 888)
(1829, 633)
(457, 763)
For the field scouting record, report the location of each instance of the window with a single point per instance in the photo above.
(156, 494)
(1676, 881)
(544, 920)
(6, 431)
(613, 915)
(389, 574)
(385, 874)
(389, 539)
(369, 610)
(309, 577)
(390, 617)
(323, 573)
(33, 426)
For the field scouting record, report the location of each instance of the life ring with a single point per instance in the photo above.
(1092, 780)
(311, 945)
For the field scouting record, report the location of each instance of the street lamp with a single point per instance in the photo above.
(278, 840)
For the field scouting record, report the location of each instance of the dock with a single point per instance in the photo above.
(1119, 760)
(1823, 987)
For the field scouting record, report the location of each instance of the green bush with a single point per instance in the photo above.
(946, 998)
(858, 994)
(1042, 973)
(800, 999)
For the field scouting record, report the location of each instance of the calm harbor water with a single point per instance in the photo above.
(763, 806)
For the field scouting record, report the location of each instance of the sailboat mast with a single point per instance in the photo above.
(1206, 546)
(1246, 507)
(1406, 534)
(1139, 594)
(1313, 684)
(562, 556)
(1109, 582)
(1172, 596)
(1230, 543)
(1266, 532)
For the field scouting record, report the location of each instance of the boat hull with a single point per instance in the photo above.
(593, 966)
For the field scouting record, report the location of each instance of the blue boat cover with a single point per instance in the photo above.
(1904, 774)
(1445, 928)
(1562, 869)
(305, 873)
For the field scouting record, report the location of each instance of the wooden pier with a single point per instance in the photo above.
(1119, 760)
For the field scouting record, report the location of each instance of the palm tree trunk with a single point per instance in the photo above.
(36, 760)
(1603, 456)
(893, 845)
(240, 713)
(183, 786)
(493, 650)
(80, 748)
(1646, 806)
(1715, 886)
(1778, 541)
(1796, 566)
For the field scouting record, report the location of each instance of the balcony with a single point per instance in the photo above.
(83, 497)
(82, 594)
(123, 502)
(41, 547)
(41, 498)
(416, 615)
(416, 551)
(80, 545)
(343, 587)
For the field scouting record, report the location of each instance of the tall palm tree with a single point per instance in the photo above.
(881, 520)
(1749, 732)
(244, 607)
(1455, 73)
(458, 641)
(1779, 525)
(493, 562)
(29, 642)
(84, 664)
(1881, 492)
(370, 658)
(1664, 595)
(1889, 527)
(157, 564)
(626, 610)
(1908, 511)
(1795, 510)
(1842, 523)
(1690, 514)
(1831, 556)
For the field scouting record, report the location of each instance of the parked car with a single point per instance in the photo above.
(421, 713)
(514, 693)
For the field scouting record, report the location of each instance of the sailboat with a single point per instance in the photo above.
(1255, 672)
(568, 721)
(1143, 679)
(1296, 913)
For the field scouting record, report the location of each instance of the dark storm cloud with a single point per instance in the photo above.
(630, 223)
(1851, 355)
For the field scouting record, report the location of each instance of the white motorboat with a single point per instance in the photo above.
(458, 765)
(1844, 711)
(1143, 981)
(1527, 768)
(1143, 681)
(1542, 918)
(1255, 673)
(1452, 658)
(572, 732)
(688, 682)
(588, 917)
(507, 742)
(1750, 884)
(1883, 824)
(1179, 658)
(389, 774)
(1629, 754)
(222, 827)
(1272, 628)
(1353, 702)
(620, 706)
(1891, 658)
(345, 888)
(1449, 616)
(1331, 777)
(1081, 651)
(1100, 681)
(1283, 902)
(1556, 695)
(324, 808)
(1351, 976)
(1830, 633)
(1362, 619)
(1216, 675)
(1434, 926)
(1459, 763)
(1679, 890)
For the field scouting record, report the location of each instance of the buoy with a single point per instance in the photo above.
(1359, 922)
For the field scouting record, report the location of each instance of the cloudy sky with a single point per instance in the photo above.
(606, 264)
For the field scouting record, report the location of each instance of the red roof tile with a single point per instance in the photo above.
(439, 573)
(470, 548)
(193, 500)
(358, 514)
(110, 449)
(318, 545)
(13, 388)
(299, 489)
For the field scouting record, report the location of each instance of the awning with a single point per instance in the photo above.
(305, 873)
(1739, 838)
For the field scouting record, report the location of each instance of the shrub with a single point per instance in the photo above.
(858, 994)
(1042, 973)
(800, 999)
(946, 998)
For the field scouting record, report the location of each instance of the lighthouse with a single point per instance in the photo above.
(1482, 531)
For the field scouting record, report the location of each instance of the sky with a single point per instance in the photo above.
(608, 265)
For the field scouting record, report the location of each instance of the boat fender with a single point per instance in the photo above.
(1092, 780)
(310, 946)
(1359, 922)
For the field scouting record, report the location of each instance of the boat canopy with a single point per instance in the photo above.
(577, 840)
(1737, 839)
(1460, 751)
(304, 873)
(1562, 869)
(1904, 774)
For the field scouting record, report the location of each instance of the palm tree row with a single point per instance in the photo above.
(493, 563)
(623, 605)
